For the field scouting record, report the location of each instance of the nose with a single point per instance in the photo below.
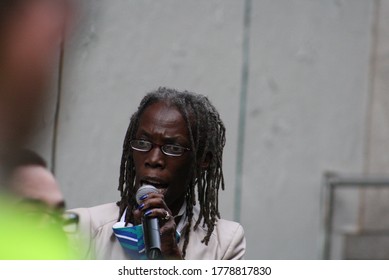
(155, 158)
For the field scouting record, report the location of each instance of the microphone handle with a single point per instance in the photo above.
(152, 238)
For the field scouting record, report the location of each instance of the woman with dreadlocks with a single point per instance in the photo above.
(175, 143)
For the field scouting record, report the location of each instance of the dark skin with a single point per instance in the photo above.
(161, 124)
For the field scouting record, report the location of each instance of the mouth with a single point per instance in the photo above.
(156, 182)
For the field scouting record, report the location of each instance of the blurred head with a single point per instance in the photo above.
(175, 142)
(33, 222)
(31, 33)
(30, 180)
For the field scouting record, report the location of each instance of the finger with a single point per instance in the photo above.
(149, 203)
(137, 216)
(168, 236)
(151, 195)
(169, 228)
(163, 214)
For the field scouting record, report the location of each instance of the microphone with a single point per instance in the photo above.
(151, 233)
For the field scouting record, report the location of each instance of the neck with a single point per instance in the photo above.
(177, 207)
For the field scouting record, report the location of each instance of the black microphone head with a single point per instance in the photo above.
(145, 189)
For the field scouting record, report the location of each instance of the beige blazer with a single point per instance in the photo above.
(95, 238)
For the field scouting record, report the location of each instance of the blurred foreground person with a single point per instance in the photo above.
(31, 33)
(174, 143)
(31, 180)
(34, 209)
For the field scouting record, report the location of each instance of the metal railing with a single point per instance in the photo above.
(333, 181)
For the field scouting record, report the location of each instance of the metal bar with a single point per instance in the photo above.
(334, 181)
(328, 221)
(359, 181)
(242, 110)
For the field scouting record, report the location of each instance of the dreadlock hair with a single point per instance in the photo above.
(207, 138)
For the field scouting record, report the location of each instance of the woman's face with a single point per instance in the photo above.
(162, 124)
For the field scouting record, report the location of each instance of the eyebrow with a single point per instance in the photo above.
(167, 138)
(60, 205)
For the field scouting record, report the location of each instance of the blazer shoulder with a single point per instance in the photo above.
(231, 236)
(97, 216)
(93, 221)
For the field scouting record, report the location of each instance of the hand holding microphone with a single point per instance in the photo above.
(159, 227)
(150, 226)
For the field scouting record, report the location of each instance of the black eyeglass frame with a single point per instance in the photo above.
(161, 147)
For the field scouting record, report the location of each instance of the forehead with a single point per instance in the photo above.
(163, 118)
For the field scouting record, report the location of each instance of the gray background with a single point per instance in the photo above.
(302, 86)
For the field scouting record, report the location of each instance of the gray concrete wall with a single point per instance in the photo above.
(307, 108)
(374, 214)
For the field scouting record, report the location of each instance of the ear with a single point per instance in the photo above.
(207, 161)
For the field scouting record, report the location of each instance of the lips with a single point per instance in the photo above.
(156, 182)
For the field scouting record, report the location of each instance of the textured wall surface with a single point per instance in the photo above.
(294, 76)
(376, 206)
(306, 115)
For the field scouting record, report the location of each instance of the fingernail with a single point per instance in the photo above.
(148, 213)
(143, 197)
(140, 207)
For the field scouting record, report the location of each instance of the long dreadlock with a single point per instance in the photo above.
(207, 138)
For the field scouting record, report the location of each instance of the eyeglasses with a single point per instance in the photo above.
(45, 216)
(167, 149)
